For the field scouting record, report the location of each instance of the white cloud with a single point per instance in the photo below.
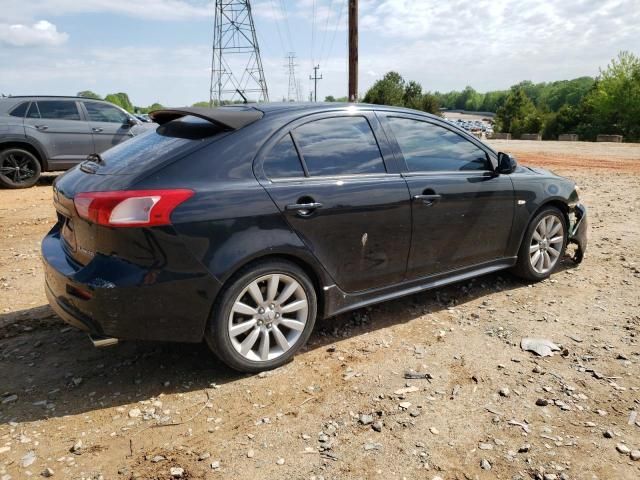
(146, 9)
(41, 33)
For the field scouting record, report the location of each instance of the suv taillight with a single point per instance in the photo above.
(130, 208)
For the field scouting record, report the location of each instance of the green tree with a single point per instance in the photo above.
(412, 97)
(89, 94)
(388, 91)
(329, 98)
(517, 114)
(613, 104)
(204, 103)
(121, 99)
(430, 104)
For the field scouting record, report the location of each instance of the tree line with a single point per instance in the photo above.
(607, 104)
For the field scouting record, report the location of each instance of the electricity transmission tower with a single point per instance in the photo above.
(293, 93)
(236, 66)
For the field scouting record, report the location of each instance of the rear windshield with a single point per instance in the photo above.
(152, 148)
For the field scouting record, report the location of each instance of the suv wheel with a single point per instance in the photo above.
(543, 245)
(263, 317)
(18, 168)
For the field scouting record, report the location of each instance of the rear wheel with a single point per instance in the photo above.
(263, 317)
(543, 245)
(18, 168)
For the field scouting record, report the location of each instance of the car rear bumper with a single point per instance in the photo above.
(578, 231)
(112, 297)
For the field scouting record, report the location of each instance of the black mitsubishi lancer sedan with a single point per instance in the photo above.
(242, 225)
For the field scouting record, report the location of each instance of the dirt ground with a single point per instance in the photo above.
(487, 410)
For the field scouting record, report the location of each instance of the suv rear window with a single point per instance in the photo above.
(57, 110)
(339, 146)
(20, 110)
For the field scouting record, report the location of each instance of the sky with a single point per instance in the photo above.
(160, 50)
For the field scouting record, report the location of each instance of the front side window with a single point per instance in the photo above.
(339, 146)
(58, 110)
(99, 112)
(430, 148)
(283, 160)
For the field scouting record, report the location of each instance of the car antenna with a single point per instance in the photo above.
(242, 95)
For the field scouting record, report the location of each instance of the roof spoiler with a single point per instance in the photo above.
(228, 118)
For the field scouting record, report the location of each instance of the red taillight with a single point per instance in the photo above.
(130, 208)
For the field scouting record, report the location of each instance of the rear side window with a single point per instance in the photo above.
(339, 146)
(20, 110)
(99, 112)
(283, 160)
(58, 110)
(430, 148)
(33, 111)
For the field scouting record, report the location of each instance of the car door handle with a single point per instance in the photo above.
(96, 129)
(42, 127)
(303, 209)
(428, 200)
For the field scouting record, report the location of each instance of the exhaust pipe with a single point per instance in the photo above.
(100, 342)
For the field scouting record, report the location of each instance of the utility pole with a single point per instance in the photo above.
(235, 43)
(293, 94)
(315, 79)
(353, 50)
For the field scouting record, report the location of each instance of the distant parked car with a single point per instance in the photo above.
(143, 117)
(43, 134)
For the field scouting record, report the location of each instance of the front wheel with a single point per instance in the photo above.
(18, 168)
(264, 316)
(543, 245)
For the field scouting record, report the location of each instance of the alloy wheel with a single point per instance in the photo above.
(17, 167)
(268, 317)
(546, 244)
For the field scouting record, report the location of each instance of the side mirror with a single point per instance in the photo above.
(506, 163)
(130, 122)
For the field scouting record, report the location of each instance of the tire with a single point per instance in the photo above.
(18, 168)
(534, 267)
(239, 323)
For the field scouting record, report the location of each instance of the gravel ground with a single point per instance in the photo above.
(483, 408)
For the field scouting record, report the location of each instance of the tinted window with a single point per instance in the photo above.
(338, 146)
(20, 110)
(58, 110)
(99, 112)
(283, 161)
(431, 148)
(33, 111)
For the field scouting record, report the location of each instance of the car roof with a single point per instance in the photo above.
(67, 97)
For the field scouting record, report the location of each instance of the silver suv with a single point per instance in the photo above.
(43, 134)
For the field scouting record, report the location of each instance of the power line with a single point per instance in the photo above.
(326, 29)
(277, 19)
(335, 30)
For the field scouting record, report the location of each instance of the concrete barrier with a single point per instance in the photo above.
(531, 136)
(501, 136)
(568, 137)
(609, 138)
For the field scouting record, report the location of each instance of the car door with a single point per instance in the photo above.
(343, 195)
(60, 129)
(109, 125)
(462, 210)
